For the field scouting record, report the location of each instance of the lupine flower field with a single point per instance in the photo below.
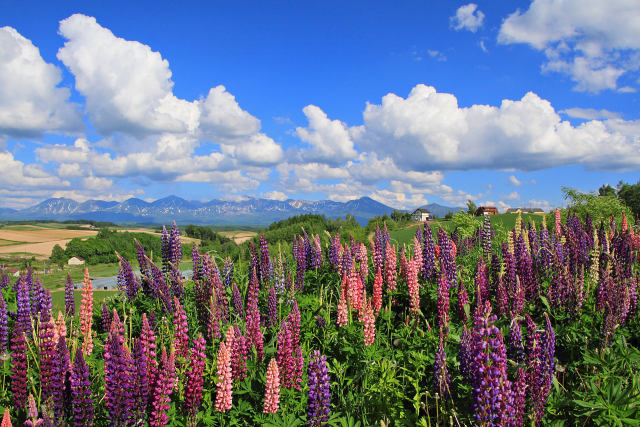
(535, 326)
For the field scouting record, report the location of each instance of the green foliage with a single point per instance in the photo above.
(466, 224)
(58, 256)
(598, 207)
(630, 195)
(400, 216)
(471, 207)
(101, 248)
(212, 242)
(607, 190)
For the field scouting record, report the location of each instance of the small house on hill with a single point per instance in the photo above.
(420, 215)
(76, 260)
(486, 210)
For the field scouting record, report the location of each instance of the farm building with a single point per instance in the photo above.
(420, 215)
(76, 260)
(525, 210)
(486, 210)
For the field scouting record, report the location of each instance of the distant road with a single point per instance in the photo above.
(111, 283)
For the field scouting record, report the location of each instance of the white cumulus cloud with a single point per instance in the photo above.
(329, 139)
(467, 17)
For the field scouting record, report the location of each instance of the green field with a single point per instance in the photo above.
(57, 298)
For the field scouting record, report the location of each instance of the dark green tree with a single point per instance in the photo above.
(607, 191)
(630, 195)
(471, 207)
(58, 256)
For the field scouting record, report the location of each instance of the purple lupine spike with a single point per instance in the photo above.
(486, 237)
(519, 388)
(464, 355)
(547, 365)
(37, 296)
(142, 259)
(81, 393)
(4, 325)
(60, 379)
(255, 259)
(23, 315)
(195, 380)
(493, 400)
(316, 261)
(4, 282)
(148, 344)
(428, 253)
(163, 388)
(222, 303)
(69, 300)
(482, 281)
(510, 270)
(534, 366)
(335, 249)
(238, 308)
(19, 367)
(165, 247)
(518, 298)
(319, 400)
(443, 301)
(197, 263)
(240, 354)
(227, 272)
(116, 379)
(160, 288)
(105, 317)
(347, 260)
(515, 350)
(447, 261)
(301, 264)
(278, 274)
(502, 297)
(47, 355)
(272, 308)
(441, 377)
(176, 246)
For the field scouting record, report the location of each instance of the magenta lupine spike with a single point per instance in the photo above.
(254, 334)
(164, 384)
(518, 298)
(443, 301)
(377, 292)
(294, 320)
(319, 398)
(547, 365)
(213, 322)
(390, 268)
(519, 388)
(47, 355)
(272, 308)
(316, 261)
(534, 366)
(148, 343)
(441, 377)
(69, 300)
(417, 254)
(447, 260)
(463, 299)
(195, 379)
(284, 355)
(82, 402)
(482, 281)
(117, 382)
(240, 354)
(4, 325)
(19, 367)
(181, 330)
(369, 321)
(492, 395)
(502, 297)
(414, 286)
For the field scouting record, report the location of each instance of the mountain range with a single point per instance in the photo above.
(252, 211)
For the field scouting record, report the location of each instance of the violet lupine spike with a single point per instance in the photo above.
(547, 365)
(175, 246)
(148, 344)
(448, 263)
(301, 263)
(197, 263)
(195, 380)
(441, 377)
(278, 274)
(316, 261)
(105, 317)
(4, 282)
(238, 308)
(69, 300)
(82, 403)
(443, 301)
(272, 308)
(128, 279)
(4, 325)
(227, 272)
(47, 356)
(493, 400)
(482, 281)
(142, 259)
(319, 398)
(463, 300)
(37, 295)
(428, 252)
(534, 364)
(515, 350)
(464, 355)
(60, 379)
(160, 288)
(222, 303)
(116, 378)
(255, 259)
(265, 259)
(19, 367)
(23, 315)
(335, 252)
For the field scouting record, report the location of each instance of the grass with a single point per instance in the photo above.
(9, 242)
(57, 298)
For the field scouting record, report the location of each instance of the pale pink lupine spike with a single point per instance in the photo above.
(272, 393)
(223, 397)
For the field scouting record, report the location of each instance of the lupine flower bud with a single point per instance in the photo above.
(224, 385)
(319, 400)
(272, 393)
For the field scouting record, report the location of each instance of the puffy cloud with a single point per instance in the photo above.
(259, 150)
(515, 181)
(30, 101)
(585, 39)
(467, 17)
(223, 118)
(511, 196)
(590, 113)
(429, 131)
(329, 139)
(15, 175)
(275, 195)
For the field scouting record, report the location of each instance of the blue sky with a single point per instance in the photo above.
(423, 101)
